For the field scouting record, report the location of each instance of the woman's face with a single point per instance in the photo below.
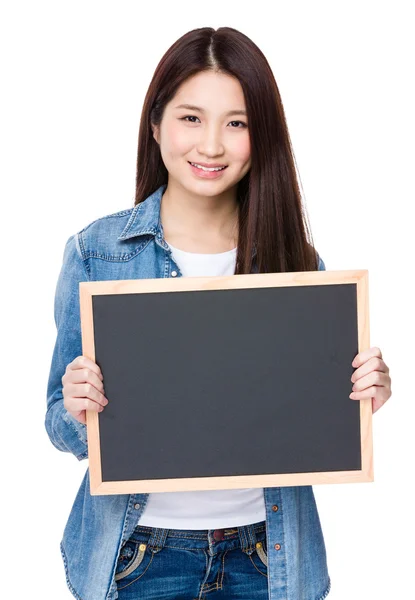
(207, 134)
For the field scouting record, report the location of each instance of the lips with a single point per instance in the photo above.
(206, 173)
(207, 166)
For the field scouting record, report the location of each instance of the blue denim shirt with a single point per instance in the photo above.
(129, 245)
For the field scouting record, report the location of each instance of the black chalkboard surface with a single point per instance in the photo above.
(221, 382)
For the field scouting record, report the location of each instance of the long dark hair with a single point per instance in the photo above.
(273, 227)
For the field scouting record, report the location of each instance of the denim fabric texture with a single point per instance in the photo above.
(129, 244)
(213, 564)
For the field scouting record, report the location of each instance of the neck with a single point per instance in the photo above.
(199, 223)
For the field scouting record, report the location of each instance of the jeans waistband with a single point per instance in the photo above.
(247, 535)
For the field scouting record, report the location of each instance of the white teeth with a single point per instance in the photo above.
(207, 168)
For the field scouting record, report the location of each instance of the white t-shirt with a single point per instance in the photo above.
(207, 509)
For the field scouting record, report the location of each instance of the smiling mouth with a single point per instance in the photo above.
(209, 169)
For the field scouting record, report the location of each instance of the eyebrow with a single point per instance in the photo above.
(228, 114)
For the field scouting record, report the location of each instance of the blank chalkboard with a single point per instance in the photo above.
(227, 382)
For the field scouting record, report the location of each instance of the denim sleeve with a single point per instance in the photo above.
(321, 265)
(64, 431)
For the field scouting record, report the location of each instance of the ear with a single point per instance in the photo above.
(155, 130)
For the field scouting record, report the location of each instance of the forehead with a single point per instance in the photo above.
(209, 90)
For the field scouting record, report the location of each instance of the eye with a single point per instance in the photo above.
(194, 117)
(189, 117)
(243, 124)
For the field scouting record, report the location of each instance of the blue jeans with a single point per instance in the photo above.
(179, 564)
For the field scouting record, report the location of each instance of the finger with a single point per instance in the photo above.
(83, 376)
(373, 378)
(373, 364)
(81, 362)
(362, 357)
(379, 393)
(87, 390)
(79, 404)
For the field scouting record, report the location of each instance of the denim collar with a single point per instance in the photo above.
(145, 217)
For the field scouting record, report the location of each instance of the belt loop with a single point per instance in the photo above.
(157, 538)
(245, 546)
(247, 537)
(252, 536)
(242, 538)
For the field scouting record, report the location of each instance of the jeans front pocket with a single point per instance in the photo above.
(259, 558)
(134, 560)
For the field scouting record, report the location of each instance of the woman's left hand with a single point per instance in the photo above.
(371, 378)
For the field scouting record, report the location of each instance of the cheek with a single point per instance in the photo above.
(175, 140)
(241, 150)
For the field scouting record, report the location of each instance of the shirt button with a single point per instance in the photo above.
(136, 506)
(173, 273)
(277, 547)
(275, 508)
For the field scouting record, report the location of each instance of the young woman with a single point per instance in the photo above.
(216, 194)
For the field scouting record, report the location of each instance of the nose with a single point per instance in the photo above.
(210, 143)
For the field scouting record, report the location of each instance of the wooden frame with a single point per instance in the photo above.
(89, 289)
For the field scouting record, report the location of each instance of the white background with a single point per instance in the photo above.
(74, 75)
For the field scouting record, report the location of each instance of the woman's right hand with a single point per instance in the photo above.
(83, 388)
